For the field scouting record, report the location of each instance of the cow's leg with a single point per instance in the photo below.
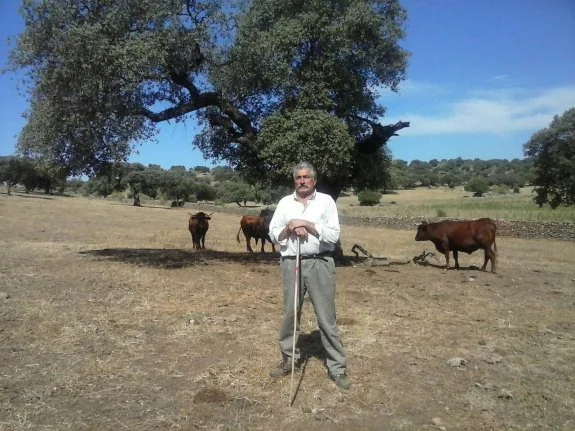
(204, 241)
(263, 243)
(443, 247)
(248, 243)
(455, 258)
(489, 254)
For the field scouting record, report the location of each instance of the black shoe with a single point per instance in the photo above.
(341, 381)
(284, 368)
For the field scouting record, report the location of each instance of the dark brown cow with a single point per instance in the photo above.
(466, 236)
(198, 226)
(256, 227)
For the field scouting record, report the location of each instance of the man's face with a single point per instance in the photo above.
(304, 182)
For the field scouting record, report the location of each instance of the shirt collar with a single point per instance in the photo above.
(311, 197)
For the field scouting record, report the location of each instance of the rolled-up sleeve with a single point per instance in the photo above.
(277, 224)
(329, 229)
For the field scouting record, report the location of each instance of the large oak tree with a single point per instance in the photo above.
(553, 153)
(271, 82)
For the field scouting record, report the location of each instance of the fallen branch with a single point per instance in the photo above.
(377, 260)
(424, 258)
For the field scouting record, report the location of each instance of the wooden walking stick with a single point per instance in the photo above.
(295, 306)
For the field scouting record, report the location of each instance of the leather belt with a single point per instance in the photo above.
(321, 256)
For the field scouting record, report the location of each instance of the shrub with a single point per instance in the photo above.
(500, 189)
(441, 213)
(477, 185)
(369, 198)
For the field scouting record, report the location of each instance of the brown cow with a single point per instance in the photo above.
(466, 236)
(256, 227)
(198, 226)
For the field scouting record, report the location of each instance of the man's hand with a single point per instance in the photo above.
(301, 232)
(302, 228)
(296, 223)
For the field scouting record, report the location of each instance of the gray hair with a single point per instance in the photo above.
(304, 165)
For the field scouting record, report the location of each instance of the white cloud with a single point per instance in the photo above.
(491, 112)
(410, 88)
(500, 78)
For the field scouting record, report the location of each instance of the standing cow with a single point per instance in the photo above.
(466, 236)
(199, 226)
(256, 227)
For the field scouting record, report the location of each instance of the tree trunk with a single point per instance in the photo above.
(334, 190)
(137, 200)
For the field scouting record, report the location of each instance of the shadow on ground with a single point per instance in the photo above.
(179, 258)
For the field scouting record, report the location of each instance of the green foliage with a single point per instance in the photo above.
(369, 197)
(103, 74)
(553, 153)
(202, 169)
(305, 135)
(373, 171)
(175, 185)
(75, 185)
(32, 174)
(455, 172)
(238, 192)
(205, 192)
(224, 173)
(477, 185)
(272, 195)
(500, 189)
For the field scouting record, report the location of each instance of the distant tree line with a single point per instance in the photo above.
(225, 185)
(459, 172)
(177, 184)
(32, 174)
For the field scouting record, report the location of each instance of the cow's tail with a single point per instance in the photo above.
(494, 235)
(238, 235)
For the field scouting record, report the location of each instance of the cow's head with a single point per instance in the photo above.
(267, 212)
(422, 234)
(200, 216)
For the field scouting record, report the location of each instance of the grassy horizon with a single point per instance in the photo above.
(428, 203)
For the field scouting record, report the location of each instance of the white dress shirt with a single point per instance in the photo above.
(320, 210)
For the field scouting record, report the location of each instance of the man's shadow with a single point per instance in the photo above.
(309, 347)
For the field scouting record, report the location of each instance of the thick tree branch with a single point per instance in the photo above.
(245, 137)
(379, 135)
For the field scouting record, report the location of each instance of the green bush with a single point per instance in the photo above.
(369, 198)
(441, 213)
(477, 185)
(500, 189)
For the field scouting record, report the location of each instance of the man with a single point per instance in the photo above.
(311, 216)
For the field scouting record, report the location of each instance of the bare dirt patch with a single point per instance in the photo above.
(109, 320)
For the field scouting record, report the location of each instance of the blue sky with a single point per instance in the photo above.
(484, 75)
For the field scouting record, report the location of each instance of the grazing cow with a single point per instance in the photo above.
(198, 226)
(256, 227)
(466, 236)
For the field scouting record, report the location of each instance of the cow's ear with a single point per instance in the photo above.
(208, 218)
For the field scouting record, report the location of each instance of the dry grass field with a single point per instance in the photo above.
(110, 321)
